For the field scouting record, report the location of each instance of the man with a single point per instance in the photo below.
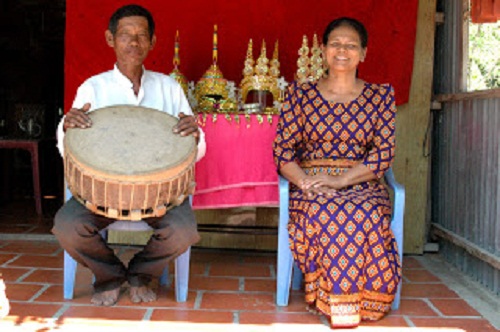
(131, 35)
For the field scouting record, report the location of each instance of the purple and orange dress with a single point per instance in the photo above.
(343, 244)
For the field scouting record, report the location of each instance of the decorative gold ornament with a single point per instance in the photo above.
(310, 64)
(316, 61)
(211, 91)
(303, 62)
(262, 77)
(176, 73)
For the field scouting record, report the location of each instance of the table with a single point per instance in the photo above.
(31, 145)
(238, 168)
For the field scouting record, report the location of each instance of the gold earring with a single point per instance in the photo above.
(325, 68)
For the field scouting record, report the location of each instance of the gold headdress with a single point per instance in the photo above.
(176, 73)
(211, 91)
(309, 68)
(262, 77)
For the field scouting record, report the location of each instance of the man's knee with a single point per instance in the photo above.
(61, 221)
(185, 234)
(177, 236)
(69, 223)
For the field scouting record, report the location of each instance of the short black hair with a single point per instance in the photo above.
(131, 10)
(350, 22)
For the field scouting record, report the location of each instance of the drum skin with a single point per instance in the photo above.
(129, 165)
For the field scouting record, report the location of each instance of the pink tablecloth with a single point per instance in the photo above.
(238, 168)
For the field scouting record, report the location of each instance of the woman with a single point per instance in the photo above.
(335, 140)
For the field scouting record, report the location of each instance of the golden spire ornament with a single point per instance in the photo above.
(316, 61)
(302, 75)
(274, 68)
(214, 47)
(176, 73)
(211, 91)
(261, 68)
(248, 69)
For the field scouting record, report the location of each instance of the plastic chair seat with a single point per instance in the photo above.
(285, 265)
(181, 262)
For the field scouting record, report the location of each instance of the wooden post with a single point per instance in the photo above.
(412, 162)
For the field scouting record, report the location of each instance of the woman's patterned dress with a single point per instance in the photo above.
(343, 244)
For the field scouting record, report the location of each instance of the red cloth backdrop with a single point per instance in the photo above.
(391, 25)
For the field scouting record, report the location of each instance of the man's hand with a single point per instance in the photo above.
(187, 125)
(77, 118)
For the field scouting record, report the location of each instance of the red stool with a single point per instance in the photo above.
(32, 146)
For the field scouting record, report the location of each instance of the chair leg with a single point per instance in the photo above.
(164, 278)
(397, 299)
(297, 277)
(182, 276)
(284, 276)
(70, 266)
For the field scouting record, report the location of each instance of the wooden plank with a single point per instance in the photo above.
(220, 228)
(483, 94)
(267, 217)
(468, 246)
(411, 165)
(139, 238)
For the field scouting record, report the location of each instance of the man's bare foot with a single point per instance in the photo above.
(142, 294)
(106, 298)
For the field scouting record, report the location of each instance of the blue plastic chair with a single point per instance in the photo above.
(181, 262)
(286, 268)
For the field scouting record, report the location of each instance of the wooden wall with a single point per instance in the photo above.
(412, 129)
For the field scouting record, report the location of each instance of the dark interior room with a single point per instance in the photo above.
(31, 101)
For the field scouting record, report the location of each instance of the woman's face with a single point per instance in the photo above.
(343, 51)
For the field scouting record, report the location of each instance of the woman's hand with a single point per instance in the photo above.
(187, 125)
(322, 184)
(77, 118)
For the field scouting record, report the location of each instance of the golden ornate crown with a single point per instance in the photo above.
(309, 68)
(211, 91)
(262, 77)
(176, 73)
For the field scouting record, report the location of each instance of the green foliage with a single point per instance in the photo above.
(484, 61)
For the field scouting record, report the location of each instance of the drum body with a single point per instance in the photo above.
(129, 165)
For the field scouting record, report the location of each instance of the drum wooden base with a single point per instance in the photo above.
(129, 165)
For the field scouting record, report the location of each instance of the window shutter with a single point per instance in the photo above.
(485, 11)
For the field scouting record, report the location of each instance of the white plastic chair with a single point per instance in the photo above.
(181, 262)
(285, 267)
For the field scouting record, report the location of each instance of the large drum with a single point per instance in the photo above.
(129, 165)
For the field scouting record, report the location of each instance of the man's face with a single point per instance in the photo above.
(132, 41)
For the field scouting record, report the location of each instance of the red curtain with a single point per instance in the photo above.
(485, 11)
(391, 25)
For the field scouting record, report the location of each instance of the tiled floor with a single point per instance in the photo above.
(228, 291)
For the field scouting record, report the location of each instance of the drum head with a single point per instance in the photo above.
(129, 140)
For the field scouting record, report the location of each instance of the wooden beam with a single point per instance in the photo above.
(411, 166)
(483, 94)
(465, 244)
